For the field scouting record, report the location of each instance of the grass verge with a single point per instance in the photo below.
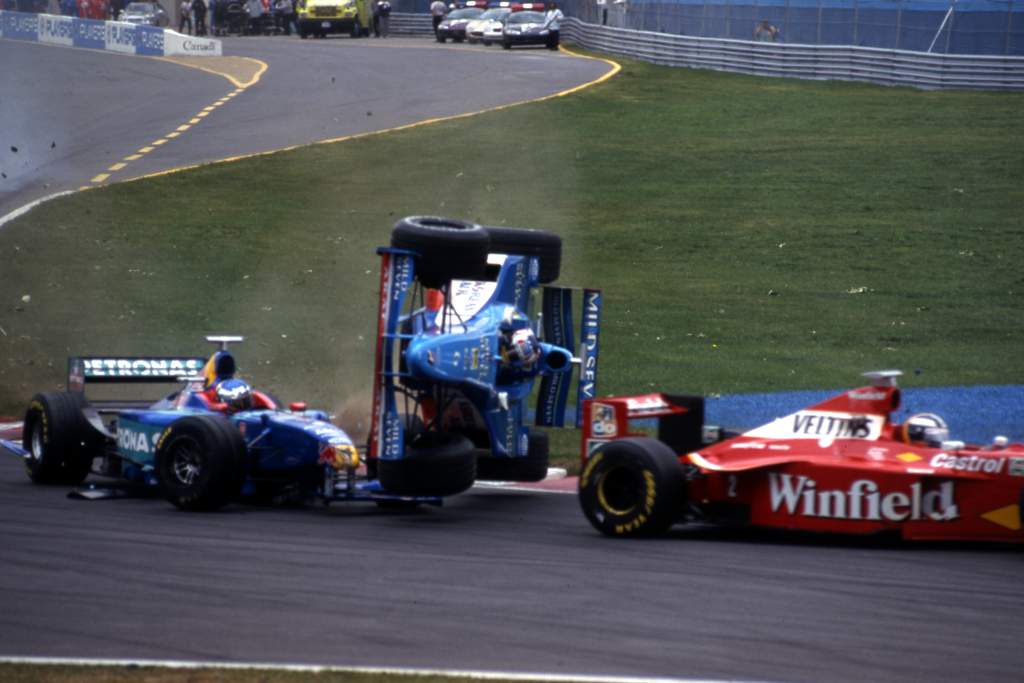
(750, 234)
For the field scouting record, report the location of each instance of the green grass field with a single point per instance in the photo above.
(749, 234)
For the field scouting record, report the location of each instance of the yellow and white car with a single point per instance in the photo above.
(317, 18)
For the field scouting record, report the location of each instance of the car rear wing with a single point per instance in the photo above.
(83, 370)
(678, 421)
(559, 329)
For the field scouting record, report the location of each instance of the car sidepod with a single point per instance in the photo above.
(137, 435)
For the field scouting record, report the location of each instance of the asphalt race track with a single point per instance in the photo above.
(495, 580)
(68, 115)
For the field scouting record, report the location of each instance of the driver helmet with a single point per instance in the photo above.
(236, 394)
(523, 347)
(926, 429)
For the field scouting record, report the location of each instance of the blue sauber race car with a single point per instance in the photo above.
(460, 350)
(214, 440)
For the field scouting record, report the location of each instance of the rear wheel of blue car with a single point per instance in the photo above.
(60, 443)
(200, 462)
(435, 464)
(632, 487)
(446, 248)
(546, 246)
(531, 467)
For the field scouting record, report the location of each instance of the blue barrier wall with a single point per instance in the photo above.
(974, 414)
(102, 35)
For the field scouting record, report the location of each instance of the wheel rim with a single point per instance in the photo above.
(186, 462)
(620, 490)
(36, 442)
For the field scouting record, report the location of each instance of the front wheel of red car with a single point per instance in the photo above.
(632, 487)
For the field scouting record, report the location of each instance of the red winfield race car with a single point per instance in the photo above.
(842, 465)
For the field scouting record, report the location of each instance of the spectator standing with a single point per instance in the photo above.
(553, 22)
(68, 8)
(437, 11)
(186, 16)
(282, 11)
(254, 8)
(765, 32)
(554, 17)
(384, 12)
(199, 10)
(215, 17)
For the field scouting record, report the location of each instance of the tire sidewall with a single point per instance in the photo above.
(220, 452)
(437, 464)
(179, 493)
(446, 248)
(645, 463)
(529, 468)
(64, 456)
(544, 245)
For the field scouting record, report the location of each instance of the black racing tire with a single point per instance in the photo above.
(59, 440)
(546, 246)
(447, 248)
(201, 462)
(436, 464)
(487, 43)
(355, 31)
(397, 505)
(632, 487)
(534, 467)
(506, 45)
(442, 39)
